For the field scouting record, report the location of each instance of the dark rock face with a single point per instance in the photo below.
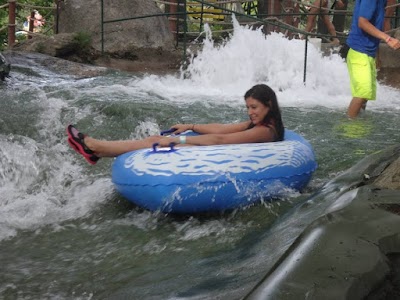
(144, 44)
(66, 46)
(119, 37)
(60, 66)
(390, 178)
(353, 250)
(5, 67)
(60, 45)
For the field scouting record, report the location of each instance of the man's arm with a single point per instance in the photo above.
(366, 26)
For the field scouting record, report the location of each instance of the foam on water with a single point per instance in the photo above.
(37, 192)
(249, 57)
(40, 184)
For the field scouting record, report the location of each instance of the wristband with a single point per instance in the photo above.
(388, 39)
(182, 139)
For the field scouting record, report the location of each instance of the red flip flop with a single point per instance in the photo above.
(76, 141)
(90, 159)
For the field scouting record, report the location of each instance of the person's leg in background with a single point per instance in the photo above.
(389, 13)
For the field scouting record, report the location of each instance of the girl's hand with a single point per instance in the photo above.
(179, 128)
(166, 141)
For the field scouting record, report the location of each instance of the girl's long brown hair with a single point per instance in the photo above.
(267, 96)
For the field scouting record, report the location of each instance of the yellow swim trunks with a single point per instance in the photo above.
(362, 70)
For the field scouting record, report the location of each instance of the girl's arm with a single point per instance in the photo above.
(258, 134)
(215, 128)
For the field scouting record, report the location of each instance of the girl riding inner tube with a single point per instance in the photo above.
(214, 178)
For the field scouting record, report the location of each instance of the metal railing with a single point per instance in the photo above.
(180, 16)
(183, 15)
(13, 25)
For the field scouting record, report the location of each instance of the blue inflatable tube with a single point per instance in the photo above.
(198, 179)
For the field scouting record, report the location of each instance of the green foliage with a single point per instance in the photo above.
(40, 47)
(21, 13)
(83, 40)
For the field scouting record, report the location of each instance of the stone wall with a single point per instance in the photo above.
(352, 251)
(389, 64)
(119, 37)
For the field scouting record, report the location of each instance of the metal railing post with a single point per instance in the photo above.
(56, 29)
(173, 20)
(305, 60)
(31, 23)
(201, 17)
(185, 29)
(102, 26)
(11, 23)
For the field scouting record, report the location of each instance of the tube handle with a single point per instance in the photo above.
(171, 148)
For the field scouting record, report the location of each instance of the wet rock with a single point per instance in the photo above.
(388, 58)
(143, 44)
(351, 251)
(122, 36)
(388, 63)
(397, 34)
(60, 66)
(390, 178)
(68, 46)
(5, 67)
(59, 45)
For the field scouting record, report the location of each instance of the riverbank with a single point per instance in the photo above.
(139, 60)
(162, 60)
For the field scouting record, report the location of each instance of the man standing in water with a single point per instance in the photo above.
(365, 35)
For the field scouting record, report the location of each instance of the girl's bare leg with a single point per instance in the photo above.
(114, 148)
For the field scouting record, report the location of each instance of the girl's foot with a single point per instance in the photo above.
(77, 143)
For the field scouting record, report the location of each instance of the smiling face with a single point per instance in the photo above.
(256, 110)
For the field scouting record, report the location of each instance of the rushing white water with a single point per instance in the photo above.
(61, 219)
(249, 57)
(38, 187)
(41, 184)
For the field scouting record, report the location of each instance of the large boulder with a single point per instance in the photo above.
(390, 178)
(388, 57)
(138, 45)
(353, 250)
(119, 37)
(4, 67)
(59, 45)
(388, 62)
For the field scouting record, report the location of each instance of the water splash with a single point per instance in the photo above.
(47, 186)
(225, 71)
(38, 189)
(39, 186)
